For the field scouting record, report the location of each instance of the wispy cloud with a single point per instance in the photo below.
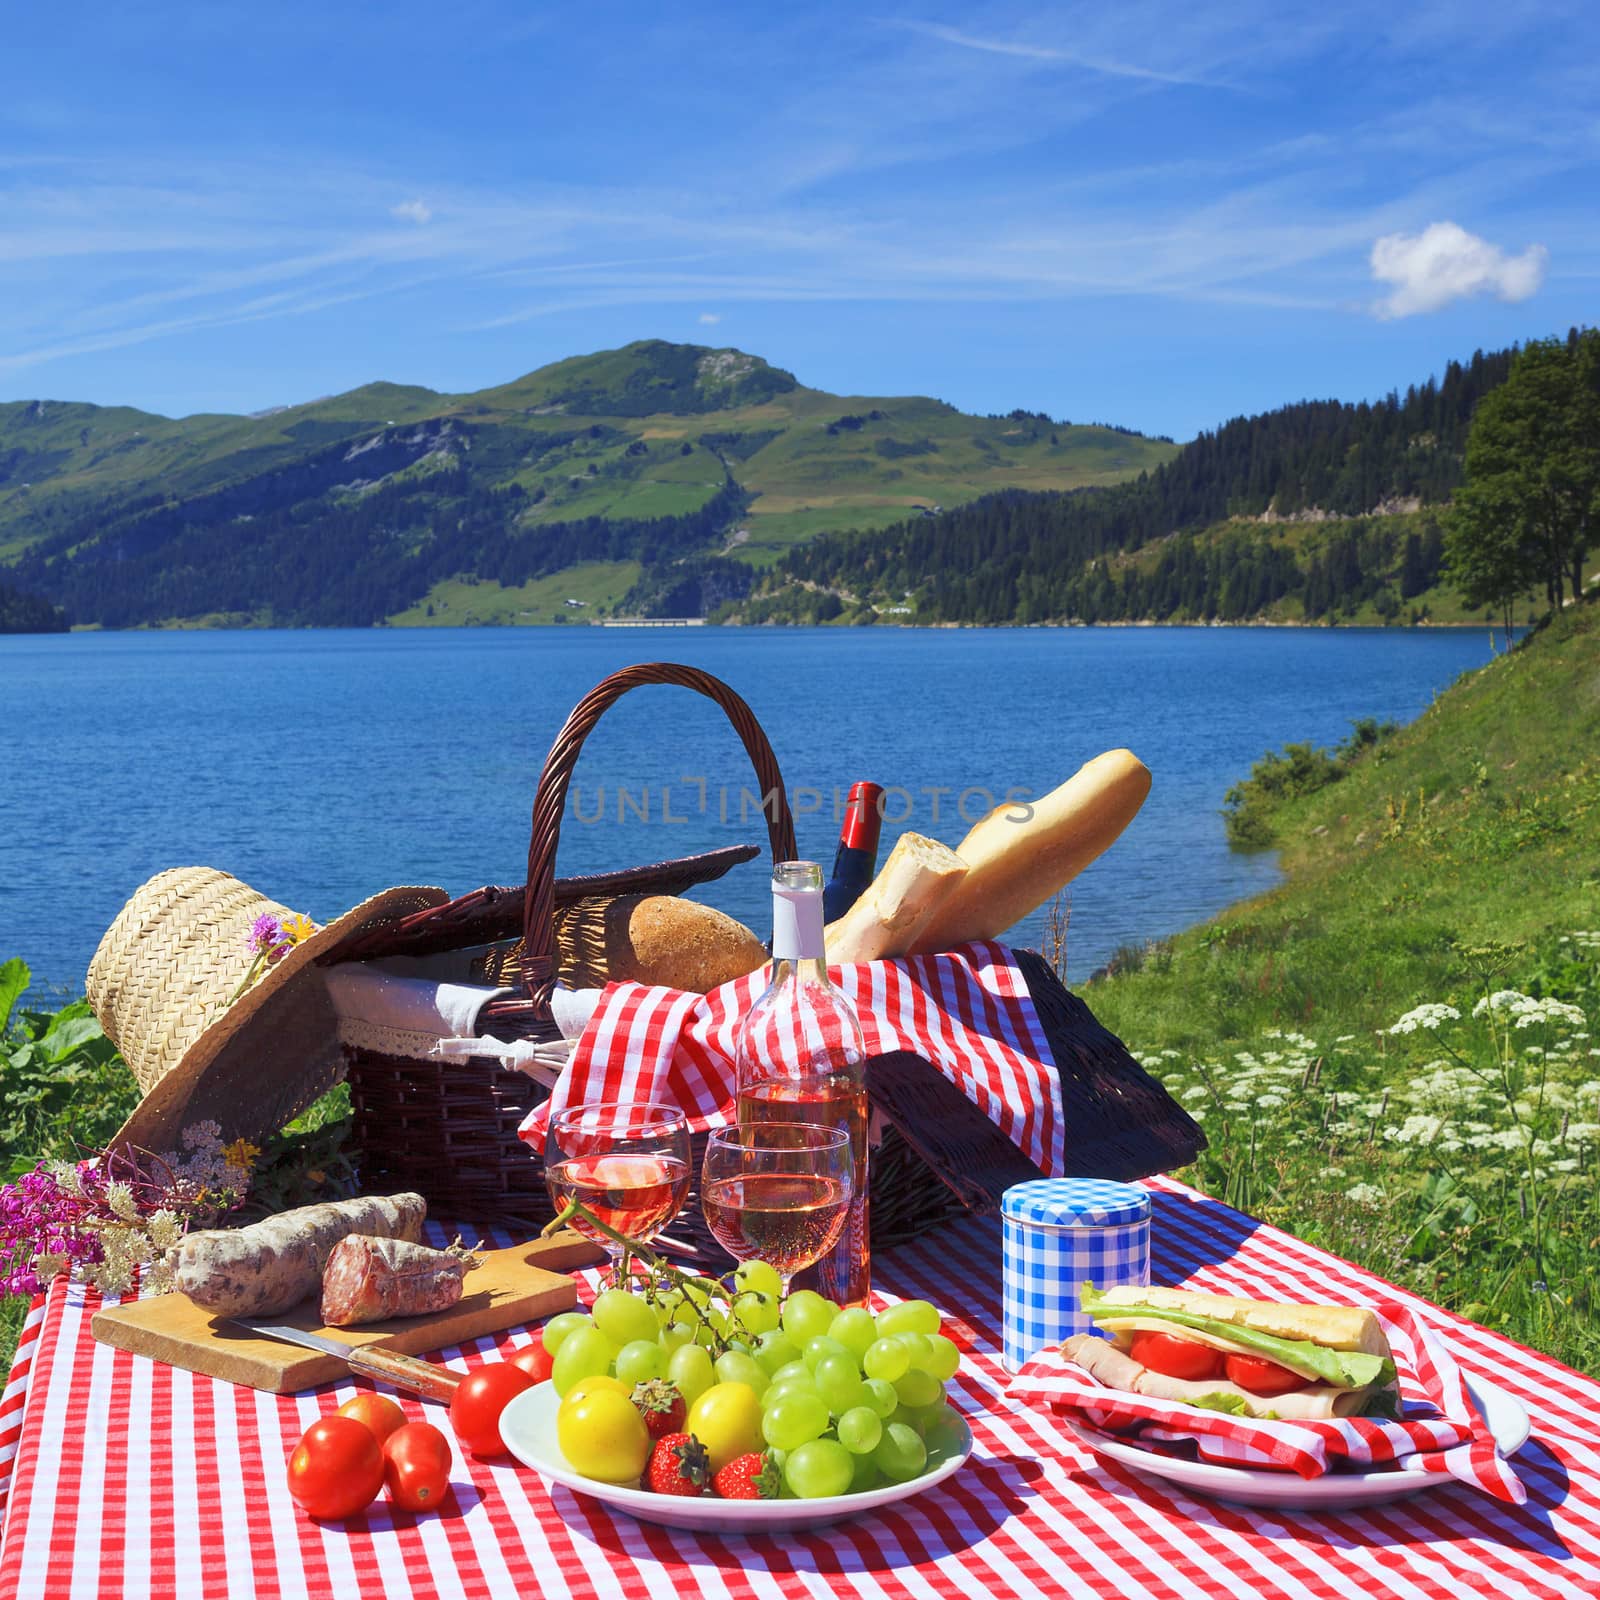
(709, 319)
(1444, 263)
(1056, 54)
(412, 211)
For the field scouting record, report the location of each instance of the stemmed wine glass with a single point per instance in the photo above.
(778, 1192)
(628, 1164)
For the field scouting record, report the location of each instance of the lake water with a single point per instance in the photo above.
(321, 767)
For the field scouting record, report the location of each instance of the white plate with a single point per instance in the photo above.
(1507, 1420)
(528, 1426)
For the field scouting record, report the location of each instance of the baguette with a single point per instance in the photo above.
(1022, 853)
(919, 876)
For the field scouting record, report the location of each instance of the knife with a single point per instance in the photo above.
(370, 1361)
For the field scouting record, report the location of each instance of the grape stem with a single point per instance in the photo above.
(659, 1270)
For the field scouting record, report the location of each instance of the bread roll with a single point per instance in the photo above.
(1018, 861)
(1337, 1327)
(919, 876)
(657, 939)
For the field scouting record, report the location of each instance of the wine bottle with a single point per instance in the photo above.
(857, 858)
(800, 1058)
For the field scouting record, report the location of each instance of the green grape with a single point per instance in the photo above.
(701, 1289)
(816, 1349)
(792, 1369)
(663, 1305)
(865, 1476)
(839, 1383)
(690, 1368)
(624, 1317)
(738, 1367)
(782, 1391)
(557, 1328)
(919, 1350)
(886, 1358)
(793, 1421)
(909, 1316)
(639, 1359)
(881, 1397)
(919, 1418)
(944, 1434)
(712, 1330)
(584, 1353)
(761, 1277)
(859, 1430)
(806, 1315)
(674, 1337)
(901, 1454)
(819, 1468)
(776, 1350)
(756, 1310)
(946, 1357)
(918, 1388)
(854, 1330)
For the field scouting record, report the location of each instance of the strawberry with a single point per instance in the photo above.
(661, 1406)
(678, 1465)
(753, 1476)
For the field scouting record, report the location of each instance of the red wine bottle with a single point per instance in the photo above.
(857, 859)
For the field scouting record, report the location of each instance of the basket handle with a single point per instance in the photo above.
(539, 956)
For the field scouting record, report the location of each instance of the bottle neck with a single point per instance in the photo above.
(797, 927)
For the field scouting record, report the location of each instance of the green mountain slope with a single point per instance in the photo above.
(373, 504)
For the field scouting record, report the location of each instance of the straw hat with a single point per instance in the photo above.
(163, 984)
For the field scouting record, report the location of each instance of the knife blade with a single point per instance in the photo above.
(371, 1361)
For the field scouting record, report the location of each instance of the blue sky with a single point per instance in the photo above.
(1155, 214)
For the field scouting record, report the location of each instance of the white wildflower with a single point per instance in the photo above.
(120, 1198)
(165, 1229)
(1428, 1016)
(1269, 1102)
(1365, 1194)
(1419, 1129)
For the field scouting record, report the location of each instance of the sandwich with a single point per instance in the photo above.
(1253, 1358)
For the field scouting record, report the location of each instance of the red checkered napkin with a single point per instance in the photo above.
(1441, 1432)
(967, 1011)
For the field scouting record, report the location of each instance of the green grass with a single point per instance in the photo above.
(468, 603)
(1461, 852)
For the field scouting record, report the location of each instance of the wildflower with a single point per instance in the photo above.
(241, 1153)
(266, 934)
(1428, 1016)
(1269, 1102)
(297, 929)
(1365, 1194)
(120, 1198)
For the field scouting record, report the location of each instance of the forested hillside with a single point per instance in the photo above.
(391, 502)
(27, 613)
(1320, 505)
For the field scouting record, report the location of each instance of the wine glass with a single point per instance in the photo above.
(778, 1192)
(628, 1164)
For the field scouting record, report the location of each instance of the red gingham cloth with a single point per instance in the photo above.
(133, 1479)
(968, 1012)
(1442, 1433)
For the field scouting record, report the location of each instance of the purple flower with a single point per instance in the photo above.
(265, 934)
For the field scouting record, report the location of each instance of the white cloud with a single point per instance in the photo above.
(1443, 263)
(710, 318)
(411, 211)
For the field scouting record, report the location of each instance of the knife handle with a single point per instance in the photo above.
(404, 1372)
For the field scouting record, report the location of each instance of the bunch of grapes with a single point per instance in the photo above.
(848, 1400)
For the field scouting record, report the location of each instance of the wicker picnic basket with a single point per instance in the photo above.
(448, 1128)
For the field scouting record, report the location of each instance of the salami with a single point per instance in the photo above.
(276, 1263)
(369, 1279)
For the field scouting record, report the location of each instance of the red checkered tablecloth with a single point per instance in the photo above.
(129, 1478)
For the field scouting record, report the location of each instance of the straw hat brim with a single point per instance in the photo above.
(272, 1052)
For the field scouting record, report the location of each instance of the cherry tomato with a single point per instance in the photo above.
(416, 1466)
(535, 1360)
(378, 1411)
(1261, 1376)
(1174, 1356)
(479, 1399)
(337, 1468)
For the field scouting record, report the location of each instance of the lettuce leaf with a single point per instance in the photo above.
(1345, 1369)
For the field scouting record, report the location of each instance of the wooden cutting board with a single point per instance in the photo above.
(522, 1284)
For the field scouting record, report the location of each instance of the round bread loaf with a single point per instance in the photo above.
(656, 939)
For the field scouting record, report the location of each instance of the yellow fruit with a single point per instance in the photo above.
(591, 1385)
(726, 1419)
(602, 1435)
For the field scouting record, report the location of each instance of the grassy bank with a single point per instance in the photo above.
(1447, 863)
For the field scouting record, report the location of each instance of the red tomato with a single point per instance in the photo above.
(1174, 1356)
(535, 1360)
(1261, 1376)
(337, 1468)
(478, 1401)
(378, 1411)
(416, 1466)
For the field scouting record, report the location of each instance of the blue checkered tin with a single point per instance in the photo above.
(1059, 1233)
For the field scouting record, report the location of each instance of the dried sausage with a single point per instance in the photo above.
(276, 1263)
(369, 1279)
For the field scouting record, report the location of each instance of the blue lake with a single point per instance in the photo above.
(321, 767)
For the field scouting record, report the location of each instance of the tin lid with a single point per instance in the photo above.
(1075, 1202)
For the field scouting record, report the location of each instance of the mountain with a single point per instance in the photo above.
(1320, 511)
(652, 474)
